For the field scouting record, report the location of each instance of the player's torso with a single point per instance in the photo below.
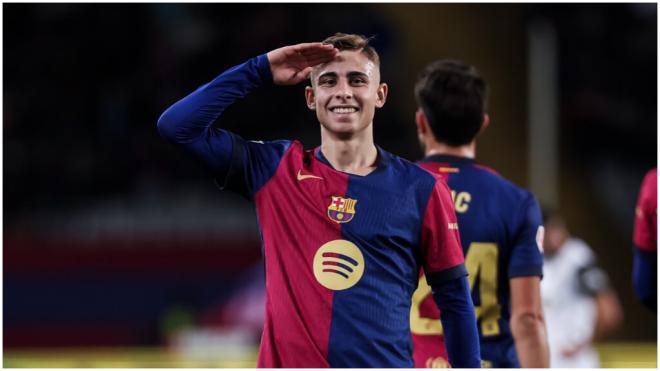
(569, 312)
(341, 258)
(484, 219)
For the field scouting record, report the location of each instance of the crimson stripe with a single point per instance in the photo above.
(299, 308)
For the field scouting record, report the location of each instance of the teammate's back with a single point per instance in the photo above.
(489, 205)
(500, 226)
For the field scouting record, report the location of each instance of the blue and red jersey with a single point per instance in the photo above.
(645, 236)
(646, 213)
(501, 233)
(342, 252)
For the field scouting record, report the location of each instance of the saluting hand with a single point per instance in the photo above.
(293, 64)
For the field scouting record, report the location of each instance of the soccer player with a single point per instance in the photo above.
(645, 269)
(345, 226)
(579, 305)
(500, 227)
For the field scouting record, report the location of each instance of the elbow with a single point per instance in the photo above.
(529, 334)
(166, 125)
(528, 325)
(173, 124)
(615, 315)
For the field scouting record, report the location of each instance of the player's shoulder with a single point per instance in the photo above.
(281, 143)
(650, 182)
(652, 175)
(503, 185)
(410, 171)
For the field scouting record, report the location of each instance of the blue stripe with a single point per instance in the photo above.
(370, 324)
(337, 272)
(338, 264)
(341, 256)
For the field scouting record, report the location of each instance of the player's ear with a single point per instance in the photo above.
(485, 123)
(382, 95)
(310, 98)
(422, 123)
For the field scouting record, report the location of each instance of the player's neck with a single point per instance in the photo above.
(357, 155)
(436, 148)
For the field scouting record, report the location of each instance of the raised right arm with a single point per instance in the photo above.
(188, 123)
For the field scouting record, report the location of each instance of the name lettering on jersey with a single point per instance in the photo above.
(338, 265)
(300, 176)
(461, 201)
(453, 225)
(341, 210)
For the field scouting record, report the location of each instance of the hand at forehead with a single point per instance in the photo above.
(293, 64)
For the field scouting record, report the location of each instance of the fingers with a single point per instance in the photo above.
(315, 56)
(307, 49)
(304, 74)
(312, 51)
(306, 55)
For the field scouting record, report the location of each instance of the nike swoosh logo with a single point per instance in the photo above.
(303, 177)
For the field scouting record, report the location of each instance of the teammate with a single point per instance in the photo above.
(345, 226)
(580, 306)
(500, 227)
(645, 269)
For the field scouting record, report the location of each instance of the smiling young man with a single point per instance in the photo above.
(345, 226)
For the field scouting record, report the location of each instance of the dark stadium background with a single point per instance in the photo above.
(112, 238)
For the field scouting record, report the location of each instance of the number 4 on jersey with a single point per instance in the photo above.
(481, 261)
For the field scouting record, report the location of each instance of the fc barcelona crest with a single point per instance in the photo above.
(341, 210)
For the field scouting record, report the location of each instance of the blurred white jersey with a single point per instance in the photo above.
(567, 289)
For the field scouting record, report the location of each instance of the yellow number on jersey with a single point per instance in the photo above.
(422, 325)
(481, 260)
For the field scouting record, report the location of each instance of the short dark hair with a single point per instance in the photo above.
(551, 216)
(453, 97)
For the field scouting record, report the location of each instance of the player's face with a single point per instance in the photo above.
(555, 237)
(346, 93)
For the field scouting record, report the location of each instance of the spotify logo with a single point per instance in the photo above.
(338, 265)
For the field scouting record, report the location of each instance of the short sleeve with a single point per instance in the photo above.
(252, 164)
(592, 280)
(441, 242)
(527, 252)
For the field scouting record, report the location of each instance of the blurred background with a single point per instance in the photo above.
(119, 250)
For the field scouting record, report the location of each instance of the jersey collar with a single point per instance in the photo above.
(383, 160)
(448, 158)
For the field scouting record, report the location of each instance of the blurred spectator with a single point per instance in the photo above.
(580, 306)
